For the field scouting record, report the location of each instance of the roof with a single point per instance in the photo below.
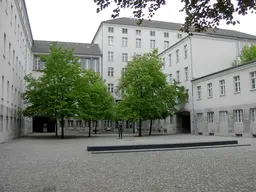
(225, 70)
(176, 26)
(79, 48)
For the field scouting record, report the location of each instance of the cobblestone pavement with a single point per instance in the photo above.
(37, 165)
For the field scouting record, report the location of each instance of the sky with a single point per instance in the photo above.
(77, 20)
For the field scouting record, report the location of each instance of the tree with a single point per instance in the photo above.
(144, 90)
(248, 53)
(201, 14)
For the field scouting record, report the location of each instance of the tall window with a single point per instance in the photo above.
(253, 114)
(110, 56)
(238, 114)
(152, 44)
(186, 73)
(152, 33)
(11, 14)
(166, 34)
(237, 84)
(123, 71)
(111, 88)
(70, 123)
(4, 45)
(124, 41)
(170, 59)
(2, 91)
(178, 76)
(222, 88)
(125, 57)
(138, 43)
(111, 29)
(138, 32)
(13, 58)
(6, 6)
(177, 56)
(199, 117)
(170, 78)
(179, 35)
(38, 64)
(111, 71)
(210, 117)
(166, 44)
(171, 119)
(185, 51)
(9, 53)
(110, 40)
(18, 33)
(8, 91)
(253, 80)
(124, 31)
(223, 116)
(209, 90)
(15, 23)
(199, 92)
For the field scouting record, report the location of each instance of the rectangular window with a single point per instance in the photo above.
(78, 123)
(152, 33)
(111, 71)
(111, 88)
(138, 43)
(163, 63)
(15, 23)
(110, 56)
(237, 84)
(6, 6)
(124, 31)
(171, 119)
(8, 91)
(177, 56)
(138, 32)
(187, 92)
(152, 44)
(166, 44)
(178, 76)
(179, 35)
(253, 114)
(223, 116)
(170, 78)
(111, 29)
(11, 13)
(210, 117)
(166, 34)
(124, 41)
(13, 58)
(4, 45)
(199, 92)
(222, 88)
(2, 91)
(200, 118)
(170, 59)
(9, 53)
(123, 71)
(110, 40)
(253, 80)
(185, 51)
(209, 90)
(238, 115)
(186, 73)
(70, 123)
(18, 34)
(125, 57)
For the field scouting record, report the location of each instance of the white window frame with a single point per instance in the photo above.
(177, 56)
(111, 71)
(253, 80)
(238, 116)
(5, 41)
(163, 62)
(237, 85)
(124, 57)
(166, 44)
(178, 75)
(110, 56)
(179, 36)
(199, 92)
(138, 43)
(111, 29)
(111, 87)
(152, 33)
(210, 117)
(152, 44)
(223, 116)
(124, 41)
(253, 114)
(124, 30)
(186, 73)
(199, 117)
(138, 32)
(170, 59)
(110, 40)
(222, 87)
(166, 34)
(209, 90)
(185, 51)
(170, 78)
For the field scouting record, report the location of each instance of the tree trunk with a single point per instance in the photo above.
(150, 127)
(140, 134)
(56, 127)
(95, 129)
(89, 135)
(62, 127)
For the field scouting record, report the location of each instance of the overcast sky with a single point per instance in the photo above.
(77, 20)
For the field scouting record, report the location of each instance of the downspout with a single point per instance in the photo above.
(192, 120)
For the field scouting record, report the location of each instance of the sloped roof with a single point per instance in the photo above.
(79, 48)
(176, 26)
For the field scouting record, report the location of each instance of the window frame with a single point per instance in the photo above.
(210, 117)
(199, 92)
(110, 71)
(237, 84)
(253, 80)
(238, 115)
(177, 56)
(124, 41)
(222, 87)
(138, 42)
(209, 90)
(186, 73)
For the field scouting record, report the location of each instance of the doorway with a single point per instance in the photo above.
(43, 124)
(185, 122)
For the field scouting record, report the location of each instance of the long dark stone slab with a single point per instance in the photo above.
(159, 146)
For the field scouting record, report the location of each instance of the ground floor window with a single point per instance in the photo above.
(253, 114)
(78, 123)
(210, 117)
(223, 115)
(70, 123)
(108, 123)
(199, 117)
(171, 119)
(238, 115)
(1, 123)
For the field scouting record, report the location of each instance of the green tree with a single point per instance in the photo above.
(201, 14)
(248, 53)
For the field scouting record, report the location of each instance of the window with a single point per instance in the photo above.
(166, 34)
(170, 78)
(253, 114)
(124, 41)
(111, 29)
(253, 80)
(11, 13)
(152, 33)
(70, 123)
(111, 88)
(209, 90)
(8, 90)
(9, 53)
(179, 35)
(123, 71)
(171, 119)
(186, 73)
(210, 117)
(178, 76)
(15, 23)
(6, 6)
(124, 57)
(187, 92)
(138, 43)
(177, 56)
(199, 92)
(152, 44)
(4, 45)
(110, 56)
(111, 71)
(166, 44)
(237, 84)
(38, 64)
(222, 88)
(199, 117)
(13, 58)
(110, 40)
(138, 32)
(2, 91)
(170, 59)
(223, 118)
(185, 51)
(78, 123)
(18, 34)
(108, 123)
(238, 115)
(124, 31)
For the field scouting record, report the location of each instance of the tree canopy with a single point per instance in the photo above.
(201, 14)
(248, 54)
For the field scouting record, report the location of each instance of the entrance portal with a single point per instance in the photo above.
(185, 122)
(43, 124)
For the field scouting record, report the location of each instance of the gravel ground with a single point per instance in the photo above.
(55, 165)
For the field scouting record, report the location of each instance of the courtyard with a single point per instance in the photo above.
(39, 164)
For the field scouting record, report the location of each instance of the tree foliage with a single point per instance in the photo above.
(201, 14)
(248, 53)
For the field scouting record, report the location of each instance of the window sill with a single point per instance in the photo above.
(209, 97)
(253, 89)
(237, 92)
(222, 95)
(199, 99)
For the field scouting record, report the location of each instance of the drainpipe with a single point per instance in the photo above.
(192, 120)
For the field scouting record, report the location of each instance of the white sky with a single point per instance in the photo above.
(77, 20)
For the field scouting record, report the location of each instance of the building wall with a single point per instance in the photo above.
(15, 62)
(244, 100)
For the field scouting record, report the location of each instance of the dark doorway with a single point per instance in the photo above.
(185, 122)
(43, 124)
